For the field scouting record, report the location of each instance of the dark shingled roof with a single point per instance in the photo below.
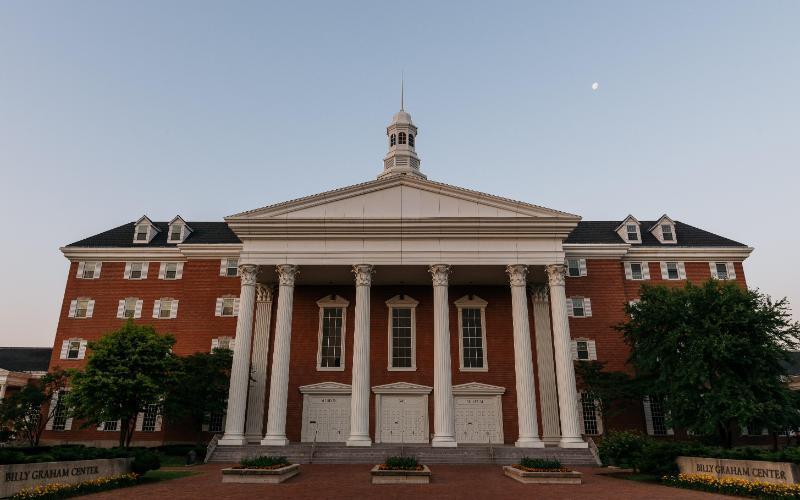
(122, 236)
(25, 359)
(586, 232)
(687, 236)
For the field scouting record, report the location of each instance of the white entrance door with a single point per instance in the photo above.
(403, 419)
(478, 419)
(327, 416)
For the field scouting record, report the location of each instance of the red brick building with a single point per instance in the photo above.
(397, 310)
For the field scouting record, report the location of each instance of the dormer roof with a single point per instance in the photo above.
(185, 229)
(628, 219)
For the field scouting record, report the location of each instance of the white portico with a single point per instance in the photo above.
(404, 229)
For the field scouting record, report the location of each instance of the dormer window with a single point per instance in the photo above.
(629, 230)
(392, 140)
(632, 232)
(144, 231)
(141, 232)
(178, 230)
(401, 138)
(666, 232)
(175, 232)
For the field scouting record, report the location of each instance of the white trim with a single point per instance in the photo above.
(475, 302)
(689, 254)
(591, 349)
(405, 302)
(645, 270)
(477, 389)
(323, 388)
(581, 266)
(665, 270)
(336, 302)
(587, 307)
(622, 230)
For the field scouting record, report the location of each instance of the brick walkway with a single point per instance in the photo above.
(353, 481)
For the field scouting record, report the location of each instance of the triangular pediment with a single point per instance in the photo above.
(401, 197)
(477, 388)
(326, 388)
(402, 388)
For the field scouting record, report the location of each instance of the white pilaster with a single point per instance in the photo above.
(443, 411)
(258, 388)
(279, 383)
(548, 396)
(565, 370)
(240, 369)
(523, 360)
(359, 400)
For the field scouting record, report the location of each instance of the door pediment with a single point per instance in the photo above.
(402, 388)
(326, 388)
(477, 388)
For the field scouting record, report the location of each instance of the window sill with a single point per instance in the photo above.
(411, 369)
(330, 369)
(462, 369)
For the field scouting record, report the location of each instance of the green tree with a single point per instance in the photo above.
(714, 352)
(613, 390)
(127, 370)
(28, 410)
(200, 388)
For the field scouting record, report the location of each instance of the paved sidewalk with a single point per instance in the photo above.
(353, 481)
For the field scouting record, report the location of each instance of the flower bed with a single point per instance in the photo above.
(63, 490)
(732, 486)
(400, 470)
(265, 469)
(541, 471)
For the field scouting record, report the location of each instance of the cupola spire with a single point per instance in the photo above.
(402, 157)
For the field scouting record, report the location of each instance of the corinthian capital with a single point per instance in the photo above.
(248, 273)
(363, 274)
(440, 273)
(287, 274)
(540, 293)
(264, 293)
(517, 274)
(556, 274)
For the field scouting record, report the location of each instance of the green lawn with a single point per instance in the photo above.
(154, 476)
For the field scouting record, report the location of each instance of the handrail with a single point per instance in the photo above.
(212, 445)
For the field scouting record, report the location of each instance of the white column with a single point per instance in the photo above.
(565, 370)
(523, 360)
(444, 426)
(2, 391)
(279, 383)
(548, 396)
(359, 400)
(258, 388)
(240, 369)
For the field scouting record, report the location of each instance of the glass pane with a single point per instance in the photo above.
(331, 341)
(401, 338)
(472, 338)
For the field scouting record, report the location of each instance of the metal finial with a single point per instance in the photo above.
(402, 88)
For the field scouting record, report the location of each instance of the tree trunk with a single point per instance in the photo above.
(123, 430)
(131, 425)
(774, 441)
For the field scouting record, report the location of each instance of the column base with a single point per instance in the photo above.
(551, 440)
(572, 442)
(444, 442)
(359, 441)
(274, 441)
(533, 442)
(254, 438)
(232, 440)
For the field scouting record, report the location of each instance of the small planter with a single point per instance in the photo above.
(399, 476)
(264, 476)
(545, 477)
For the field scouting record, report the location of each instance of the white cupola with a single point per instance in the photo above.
(402, 157)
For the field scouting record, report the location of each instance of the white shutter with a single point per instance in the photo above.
(731, 270)
(161, 270)
(144, 269)
(713, 268)
(582, 266)
(127, 274)
(156, 308)
(570, 311)
(628, 273)
(645, 270)
(97, 267)
(232, 344)
(664, 272)
(214, 344)
(681, 270)
(82, 350)
(218, 311)
(598, 415)
(51, 410)
(648, 416)
(179, 271)
(223, 267)
(101, 426)
(587, 307)
(173, 312)
(72, 306)
(68, 424)
(592, 350)
(64, 349)
(579, 407)
(137, 313)
(90, 309)
(121, 309)
(80, 270)
(236, 307)
(157, 427)
(573, 347)
(139, 421)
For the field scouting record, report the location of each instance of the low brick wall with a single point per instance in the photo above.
(14, 477)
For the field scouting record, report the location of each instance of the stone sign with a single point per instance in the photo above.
(14, 477)
(749, 470)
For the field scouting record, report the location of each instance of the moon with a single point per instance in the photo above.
(595, 86)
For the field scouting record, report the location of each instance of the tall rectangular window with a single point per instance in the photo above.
(583, 349)
(472, 337)
(60, 413)
(166, 308)
(659, 416)
(722, 270)
(149, 418)
(81, 308)
(331, 338)
(401, 338)
(672, 271)
(89, 269)
(589, 410)
(636, 270)
(215, 422)
(633, 234)
(573, 267)
(232, 267)
(130, 307)
(578, 309)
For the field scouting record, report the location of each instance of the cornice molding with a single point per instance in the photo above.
(185, 251)
(689, 253)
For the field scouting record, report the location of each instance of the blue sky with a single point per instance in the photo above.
(110, 110)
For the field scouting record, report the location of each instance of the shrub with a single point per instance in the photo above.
(541, 463)
(145, 460)
(264, 461)
(621, 448)
(13, 457)
(401, 463)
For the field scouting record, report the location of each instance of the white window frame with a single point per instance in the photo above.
(581, 267)
(83, 268)
(591, 349)
(671, 233)
(122, 309)
(729, 268)
(163, 270)
(181, 234)
(680, 270)
(88, 311)
(217, 343)
(147, 235)
(157, 308)
(335, 302)
(225, 267)
(74, 346)
(635, 232)
(471, 302)
(129, 270)
(220, 307)
(587, 307)
(598, 417)
(645, 267)
(648, 418)
(402, 302)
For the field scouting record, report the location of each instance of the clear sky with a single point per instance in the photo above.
(110, 110)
